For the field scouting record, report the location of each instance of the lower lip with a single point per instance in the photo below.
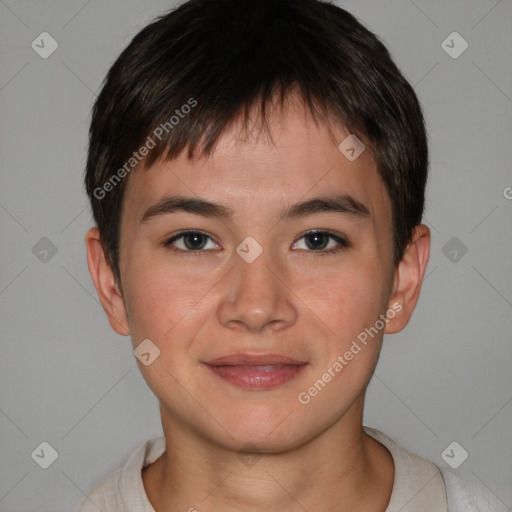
(257, 377)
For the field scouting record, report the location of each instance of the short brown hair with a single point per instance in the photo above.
(219, 58)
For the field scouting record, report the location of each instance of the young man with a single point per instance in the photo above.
(260, 129)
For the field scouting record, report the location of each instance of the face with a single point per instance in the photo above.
(242, 278)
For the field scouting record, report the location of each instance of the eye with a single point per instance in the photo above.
(194, 241)
(318, 241)
(189, 241)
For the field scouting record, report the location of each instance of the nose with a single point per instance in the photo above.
(257, 296)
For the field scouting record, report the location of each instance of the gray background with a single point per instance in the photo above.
(68, 379)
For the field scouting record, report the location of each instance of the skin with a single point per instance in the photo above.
(291, 300)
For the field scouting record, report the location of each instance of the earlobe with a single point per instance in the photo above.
(108, 292)
(408, 279)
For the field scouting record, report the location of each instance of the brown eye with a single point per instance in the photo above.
(323, 242)
(189, 241)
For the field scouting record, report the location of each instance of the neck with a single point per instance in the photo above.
(341, 469)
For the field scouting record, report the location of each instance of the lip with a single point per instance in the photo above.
(256, 372)
(253, 360)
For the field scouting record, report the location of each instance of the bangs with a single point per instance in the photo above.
(172, 137)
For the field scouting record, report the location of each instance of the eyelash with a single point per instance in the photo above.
(342, 243)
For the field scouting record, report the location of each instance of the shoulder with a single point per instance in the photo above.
(105, 495)
(466, 493)
(461, 491)
(123, 489)
(418, 484)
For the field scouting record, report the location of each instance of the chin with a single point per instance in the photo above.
(269, 429)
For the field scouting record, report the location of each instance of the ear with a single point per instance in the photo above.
(408, 279)
(108, 292)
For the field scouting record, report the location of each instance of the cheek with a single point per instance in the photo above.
(347, 298)
(349, 305)
(166, 308)
(160, 300)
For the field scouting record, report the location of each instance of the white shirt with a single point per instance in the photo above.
(419, 485)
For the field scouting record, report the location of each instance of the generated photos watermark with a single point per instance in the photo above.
(304, 397)
(143, 151)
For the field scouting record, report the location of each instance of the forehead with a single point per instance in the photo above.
(260, 172)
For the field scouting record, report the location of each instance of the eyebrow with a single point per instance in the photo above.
(344, 204)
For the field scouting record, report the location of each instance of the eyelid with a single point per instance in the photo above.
(341, 240)
(333, 234)
(169, 240)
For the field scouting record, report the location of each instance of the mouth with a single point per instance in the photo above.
(256, 372)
